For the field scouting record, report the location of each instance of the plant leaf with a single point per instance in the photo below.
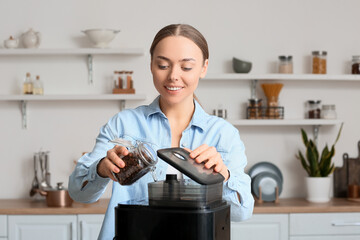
(311, 156)
(304, 137)
(303, 163)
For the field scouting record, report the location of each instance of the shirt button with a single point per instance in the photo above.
(183, 144)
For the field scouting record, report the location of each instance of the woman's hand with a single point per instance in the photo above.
(112, 162)
(211, 159)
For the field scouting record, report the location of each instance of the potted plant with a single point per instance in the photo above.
(318, 168)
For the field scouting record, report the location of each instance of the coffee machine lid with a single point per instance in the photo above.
(180, 159)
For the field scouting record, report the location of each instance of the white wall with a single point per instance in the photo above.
(257, 30)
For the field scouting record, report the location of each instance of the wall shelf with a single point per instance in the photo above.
(89, 52)
(285, 122)
(24, 99)
(285, 77)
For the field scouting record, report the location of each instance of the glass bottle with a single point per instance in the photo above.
(140, 160)
(313, 109)
(355, 66)
(28, 84)
(38, 87)
(319, 62)
(328, 112)
(285, 64)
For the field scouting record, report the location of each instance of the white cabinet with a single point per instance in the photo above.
(3, 227)
(89, 226)
(321, 226)
(261, 226)
(30, 227)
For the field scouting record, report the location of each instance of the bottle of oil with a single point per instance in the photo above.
(38, 87)
(28, 85)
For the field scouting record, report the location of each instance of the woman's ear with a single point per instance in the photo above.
(204, 69)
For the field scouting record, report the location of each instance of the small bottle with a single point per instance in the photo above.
(38, 88)
(285, 64)
(328, 112)
(313, 109)
(319, 62)
(355, 66)
(28, 85)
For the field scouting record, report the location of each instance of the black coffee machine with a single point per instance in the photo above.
(190, 209)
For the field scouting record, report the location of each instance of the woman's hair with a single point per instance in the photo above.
(183, 30)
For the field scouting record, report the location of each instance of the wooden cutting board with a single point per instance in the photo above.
(349, 173)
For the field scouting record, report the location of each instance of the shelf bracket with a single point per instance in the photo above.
(122, 105)
(24, 113)
(253, 88)
(90, 69)
(316, 133)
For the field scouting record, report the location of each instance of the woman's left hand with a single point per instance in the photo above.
(211, 159)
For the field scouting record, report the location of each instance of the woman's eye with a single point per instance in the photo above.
(187, 68)
(163, 67)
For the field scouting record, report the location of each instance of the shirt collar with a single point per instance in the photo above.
(198, 119)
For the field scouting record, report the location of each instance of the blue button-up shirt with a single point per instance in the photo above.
(149, 124)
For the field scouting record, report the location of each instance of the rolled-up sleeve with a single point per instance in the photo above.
(85, 184)
(239, 183)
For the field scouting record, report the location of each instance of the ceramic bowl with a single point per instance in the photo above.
(241, 66)
(101, 37)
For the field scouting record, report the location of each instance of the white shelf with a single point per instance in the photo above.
(72, 97)
(72, 51)
(285, 122)
(287, 77)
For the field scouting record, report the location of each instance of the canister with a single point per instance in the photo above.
(319, 62)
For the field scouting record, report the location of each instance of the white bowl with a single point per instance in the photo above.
(101, 37)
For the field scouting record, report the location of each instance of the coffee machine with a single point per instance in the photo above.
(186, 209)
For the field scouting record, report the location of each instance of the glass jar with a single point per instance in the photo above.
(319, 62)
(313, 109)
(355, 66)
(140, 160)
(328, 112)
(254, 109)
(285, 64)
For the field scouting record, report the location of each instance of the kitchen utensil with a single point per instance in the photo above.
(268, 182)
(31, 39)
(190, 206)
(44, 166)
(57, 197)
(241, 66)
(35, 182)
(265, 167)
(101, 37)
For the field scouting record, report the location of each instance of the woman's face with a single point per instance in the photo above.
(177, 65)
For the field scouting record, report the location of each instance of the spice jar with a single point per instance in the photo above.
(328, 112)
(140, 160)
(254, 109)
(285, 64)
(355, 66)
(319, 62)
(313, 109)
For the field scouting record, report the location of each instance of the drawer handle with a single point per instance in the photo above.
(343, 224)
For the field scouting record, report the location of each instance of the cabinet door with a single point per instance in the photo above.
(89, 226)
(3, 226)
(261, 226)
(327, 237)
(30, 227)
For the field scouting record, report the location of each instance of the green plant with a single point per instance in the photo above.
(314, 164)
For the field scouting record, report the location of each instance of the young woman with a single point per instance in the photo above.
(179, 58)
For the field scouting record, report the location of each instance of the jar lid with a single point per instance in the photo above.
(356, 57)
(319, 53)
(328, 107)
(255, 100)
(147, 153)
(285, 58)
(314, 101)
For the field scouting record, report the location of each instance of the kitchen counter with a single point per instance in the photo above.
(287, 205)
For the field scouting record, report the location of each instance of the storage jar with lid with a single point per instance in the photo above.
(285, 64)
(355, 66)
(319, 62)
(140, 160)
(313, 110)
(328, 111)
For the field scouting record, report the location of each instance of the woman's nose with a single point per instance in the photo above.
(174, 74)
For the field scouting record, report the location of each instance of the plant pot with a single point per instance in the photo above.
(318, 189)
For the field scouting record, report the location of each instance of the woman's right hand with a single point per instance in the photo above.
(112, 162)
